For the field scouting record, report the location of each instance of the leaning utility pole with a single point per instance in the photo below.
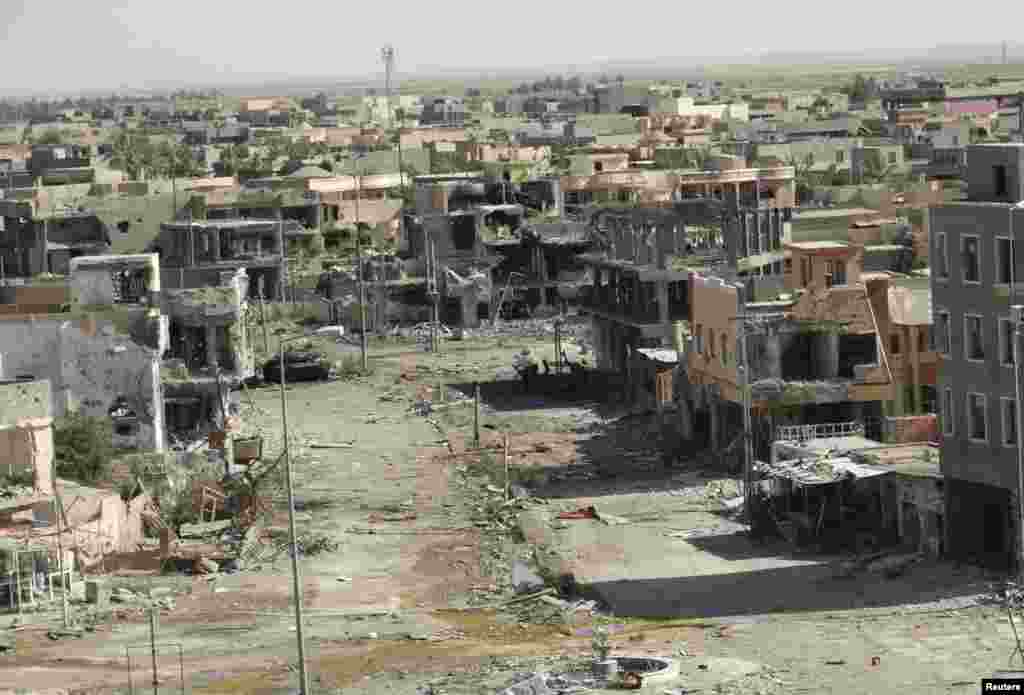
(434, 293)
(296, 581)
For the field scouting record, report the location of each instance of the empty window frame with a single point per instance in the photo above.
(1008, 421)
(1004, 261)
(941, 256)
(977, 417)
(1006, 342)
(974, 338)
(970, 258)
(941, 336)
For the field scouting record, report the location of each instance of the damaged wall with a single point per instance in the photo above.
(89, 362)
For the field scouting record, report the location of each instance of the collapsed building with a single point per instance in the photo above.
(838, 346)
(94, 522)
(829, 485)
(639, 269)
(99, 349)
(119, 346)
(469, 245)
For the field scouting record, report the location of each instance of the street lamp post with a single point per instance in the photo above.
(296, 581)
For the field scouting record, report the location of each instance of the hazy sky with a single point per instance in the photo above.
(82, 44)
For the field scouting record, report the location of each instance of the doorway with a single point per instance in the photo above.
(994, 529)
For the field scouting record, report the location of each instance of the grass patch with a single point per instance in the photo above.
(491, 469)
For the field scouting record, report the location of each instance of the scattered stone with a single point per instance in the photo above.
(123, 595)
(204, 565)
(524, 579)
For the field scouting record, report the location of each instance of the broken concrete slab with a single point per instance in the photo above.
(524, 579)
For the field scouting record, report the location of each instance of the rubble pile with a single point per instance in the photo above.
(15, 491)
(527, 328)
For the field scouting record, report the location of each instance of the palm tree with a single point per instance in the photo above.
(802, 174)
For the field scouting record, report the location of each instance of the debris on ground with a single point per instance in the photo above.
(582, 513)
(524, 579)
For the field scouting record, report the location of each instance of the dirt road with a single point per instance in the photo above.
(407, 520)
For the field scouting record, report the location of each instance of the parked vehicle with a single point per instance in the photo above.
(299, 366)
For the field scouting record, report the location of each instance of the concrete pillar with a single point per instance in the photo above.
(685, 414)
(662, 296)
(771, 361)
(211, 346)
(469, 302)
(216, 244)
(825, 353)
(714, 422)
(912, 337)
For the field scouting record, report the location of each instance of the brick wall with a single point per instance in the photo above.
(911, 428)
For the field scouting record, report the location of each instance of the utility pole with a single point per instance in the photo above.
(283, 250)
(296, 582)
(359, 276)
(476, 414)
(263, 318)
(748, 444)
(152, 647)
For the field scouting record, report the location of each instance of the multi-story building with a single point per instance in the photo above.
(974, 279)
(34, 242)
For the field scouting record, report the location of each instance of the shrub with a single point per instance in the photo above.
(83, 447)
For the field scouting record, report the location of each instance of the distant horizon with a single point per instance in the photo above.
(939, 56)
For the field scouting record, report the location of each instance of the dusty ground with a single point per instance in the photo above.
(415, 519)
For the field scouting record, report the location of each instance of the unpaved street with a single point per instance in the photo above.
(421, 537)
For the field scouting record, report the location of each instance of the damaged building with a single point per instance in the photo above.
(101, 352)
(838, 346)
(33, 242)
(122, 347)
(829, 486)
(209, 355)
(96, 522)
(197, 254)
(735, 222)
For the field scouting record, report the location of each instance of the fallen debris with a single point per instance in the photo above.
(583, 513)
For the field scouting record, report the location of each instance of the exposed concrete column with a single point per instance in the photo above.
(714, 424)
(211, 346)
(662, 290)
(468, 299)
(826, 355)
(772, 357)
(685, 413)
(913, 336)
(637, 289)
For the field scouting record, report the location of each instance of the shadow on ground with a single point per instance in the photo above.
(780, 580)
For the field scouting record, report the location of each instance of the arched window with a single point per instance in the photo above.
(725, 350)
(711, 342)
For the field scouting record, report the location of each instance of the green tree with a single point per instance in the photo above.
(50, 137)
(83, 447)
(802, 168)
